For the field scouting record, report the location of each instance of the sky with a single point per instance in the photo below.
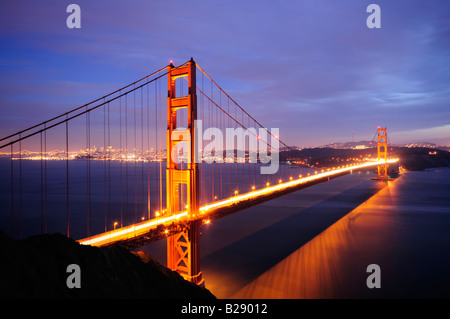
(312, 68)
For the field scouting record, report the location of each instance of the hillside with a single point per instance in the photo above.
(37, 268)
(411, 158)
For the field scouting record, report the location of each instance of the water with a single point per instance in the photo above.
(404, 229)
(103, 193)
(318, 242)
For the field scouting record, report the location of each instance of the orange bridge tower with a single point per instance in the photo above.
(182, 184)
(382, 154)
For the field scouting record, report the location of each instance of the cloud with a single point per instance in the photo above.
(312, 66)
(430, 134)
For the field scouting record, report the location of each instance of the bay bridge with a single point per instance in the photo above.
(131, 167)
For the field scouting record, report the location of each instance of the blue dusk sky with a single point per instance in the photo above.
(309, 67)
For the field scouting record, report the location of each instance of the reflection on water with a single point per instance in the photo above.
(260, 237)
(318, 242)
(321, 268)
(399, 229)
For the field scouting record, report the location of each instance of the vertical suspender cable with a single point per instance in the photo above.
(126, 156)
(67, 176)
(45, 180)
(104, 166)
(109, 164)
(158, 190)
(20, 189)
(141, 153)
(148, 154)
(88, 173)
(12, 191)
(160, 152)
(134, 157)
(121, 161)
(42, 187)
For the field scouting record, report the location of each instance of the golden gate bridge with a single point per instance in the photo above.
(131, 167)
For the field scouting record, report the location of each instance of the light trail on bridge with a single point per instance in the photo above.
(129, 232)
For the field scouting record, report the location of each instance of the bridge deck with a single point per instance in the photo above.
(145, 232)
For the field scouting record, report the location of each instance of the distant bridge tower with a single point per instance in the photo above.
(382, 154)
(183, 253)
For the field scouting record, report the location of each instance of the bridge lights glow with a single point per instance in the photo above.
(156, 214)
(253, 188)
(143, 227)
(115, 224)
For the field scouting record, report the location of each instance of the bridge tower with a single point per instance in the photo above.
(183, 253)
(382, 153)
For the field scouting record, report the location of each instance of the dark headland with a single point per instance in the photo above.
(36, 267)
(410, 158)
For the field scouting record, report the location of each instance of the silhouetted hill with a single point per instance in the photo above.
(37, 268)
(411, 158)
(420, 158)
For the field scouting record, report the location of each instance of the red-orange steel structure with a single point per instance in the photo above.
(382, 153)
(183, 253)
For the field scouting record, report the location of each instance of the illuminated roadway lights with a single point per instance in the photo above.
(280, 187)
(129, 231)
(141, 228)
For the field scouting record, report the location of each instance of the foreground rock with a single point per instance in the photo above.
(37, 268)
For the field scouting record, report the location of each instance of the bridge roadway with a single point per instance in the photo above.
(148, 231)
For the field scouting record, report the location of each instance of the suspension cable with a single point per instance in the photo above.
(241, 107)
(81, 107)
(79, 114)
